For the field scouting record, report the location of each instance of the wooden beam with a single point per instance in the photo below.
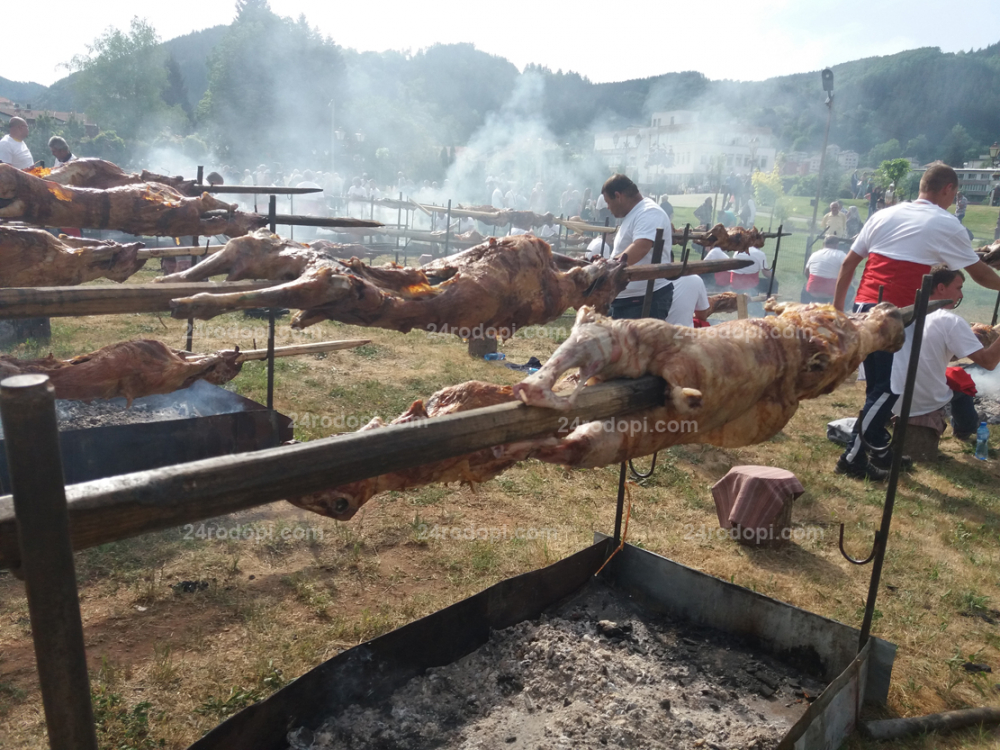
(175, 252)
(299, 349)
(673, 270)
(116, 508)
(108, 299)
(742, 313)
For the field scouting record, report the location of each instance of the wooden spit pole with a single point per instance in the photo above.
(252, 355)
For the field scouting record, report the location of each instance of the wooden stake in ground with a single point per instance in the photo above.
(299, 349)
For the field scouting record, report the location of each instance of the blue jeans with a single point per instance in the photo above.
(631, 307)
(879, 400)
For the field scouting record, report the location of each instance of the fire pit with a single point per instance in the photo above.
(106, 438)
(651, 654)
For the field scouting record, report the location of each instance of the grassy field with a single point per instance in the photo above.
(184, 628)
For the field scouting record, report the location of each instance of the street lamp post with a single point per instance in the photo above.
(827, 75)
(994, 152)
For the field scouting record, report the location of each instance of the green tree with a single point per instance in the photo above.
(894, 172)
(271, 81)
(122, 78)
(885, 152)
(175, 93)
(956, 146)
(919, 148)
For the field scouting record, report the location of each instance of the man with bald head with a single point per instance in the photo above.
(13, 149)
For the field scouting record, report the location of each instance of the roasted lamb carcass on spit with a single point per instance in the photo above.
(737, 239)
(263, 255)
(723, 302)
(500, 285)
(142, 209)
(986, 334)
(33, 257)
(103, 175)
(735, 384)
(731, 385)
(990, 254)
(128, 369)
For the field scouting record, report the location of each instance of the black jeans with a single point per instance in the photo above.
(631, 307)
(879, 400)
(964, 417)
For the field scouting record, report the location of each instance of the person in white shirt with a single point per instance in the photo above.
(748, 213)
(690, 301)
(60, 151)
(600, 246)
(497, 198)
(641, 218)
(717, 281)
(13, 149)
(946, 336)
(822, 270)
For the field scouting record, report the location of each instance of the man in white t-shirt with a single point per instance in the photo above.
(641, 217)
(901, 244)
(946, 336)
(690, 301)
(822, 270)
(717, 281)
(13, 149)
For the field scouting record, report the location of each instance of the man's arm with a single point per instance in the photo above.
(637, 251)
(844, 279)
(983, 275)
(989, 357)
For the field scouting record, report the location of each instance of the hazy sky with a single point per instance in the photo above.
(607, 41)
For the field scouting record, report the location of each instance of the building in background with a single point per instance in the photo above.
(10, 109)
(678, 151)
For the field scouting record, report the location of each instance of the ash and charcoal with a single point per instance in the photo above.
(596, 672)
(988, 409)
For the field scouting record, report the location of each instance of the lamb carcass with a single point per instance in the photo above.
(737, 239)
(990, 254)
(129, 369)
(500, 285)
(730, 385)
(33, 257)
(142, 209)
(103, 175)
(734, 384)
(723, 302)
(263, 255)
(986, 334)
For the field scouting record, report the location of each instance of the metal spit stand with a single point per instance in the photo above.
(899, 435)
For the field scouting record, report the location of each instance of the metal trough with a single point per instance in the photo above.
(217, 423)
(369, 673)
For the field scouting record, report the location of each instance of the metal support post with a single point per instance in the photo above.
(271, 315)
(647, 302)
(774, 263)
(447, 228)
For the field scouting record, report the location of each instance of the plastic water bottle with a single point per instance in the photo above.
(494, 356)
(983, 442)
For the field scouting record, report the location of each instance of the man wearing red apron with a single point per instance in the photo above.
(901, 243)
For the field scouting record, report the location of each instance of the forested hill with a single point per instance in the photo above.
(922, 102)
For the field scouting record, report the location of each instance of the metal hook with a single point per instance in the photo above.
(639, 474)
(852, 560)
(865, 444)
